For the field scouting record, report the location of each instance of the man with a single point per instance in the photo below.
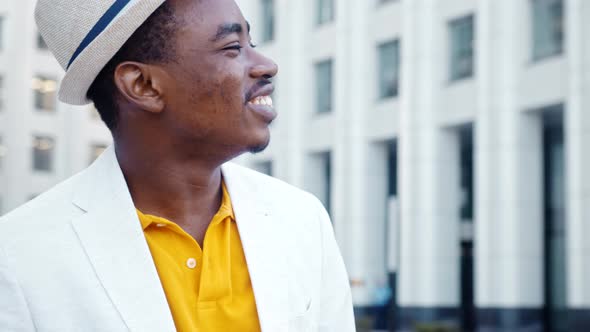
(160, 233)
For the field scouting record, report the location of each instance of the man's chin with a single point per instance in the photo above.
(259, 148)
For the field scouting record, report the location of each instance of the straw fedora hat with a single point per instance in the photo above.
(84, 35)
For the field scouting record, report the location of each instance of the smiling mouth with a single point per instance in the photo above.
(261, 100)
(262, 106)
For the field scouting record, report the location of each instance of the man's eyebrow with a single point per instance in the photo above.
(227, 29)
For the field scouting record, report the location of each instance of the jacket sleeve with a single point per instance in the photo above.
(336, 311)
(14, 311)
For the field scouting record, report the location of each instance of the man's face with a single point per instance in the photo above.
(219, 85)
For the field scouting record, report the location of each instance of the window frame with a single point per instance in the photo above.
(460, 49)
(322, 19)
(319, 67)
(381, 72)
(268, 15)
(40, 98)
(547, 40)
(50, 156)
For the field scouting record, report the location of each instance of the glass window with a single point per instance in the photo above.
(96, 150)
(327, 198)
(547, 27)
(392, 166)
(45, 93)
(466, 166)
(43, 151)
(41, 42)
(462, 41)
(268, 20)
(324, 86)
(325, 11)
(388, 69)
(318, 176)
(264, 167)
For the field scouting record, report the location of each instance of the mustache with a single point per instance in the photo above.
(257, 86)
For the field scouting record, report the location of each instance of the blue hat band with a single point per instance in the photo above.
(99, 27)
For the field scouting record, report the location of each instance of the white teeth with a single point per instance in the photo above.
(262, 100)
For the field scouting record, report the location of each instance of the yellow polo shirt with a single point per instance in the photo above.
(207, 290)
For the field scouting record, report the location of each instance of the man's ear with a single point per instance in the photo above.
(140, 84)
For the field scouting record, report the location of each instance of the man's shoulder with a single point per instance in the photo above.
(269, 186)
(52, 208)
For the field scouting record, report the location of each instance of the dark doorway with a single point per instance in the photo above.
(554, 214)
(466, 235)
(392, 199)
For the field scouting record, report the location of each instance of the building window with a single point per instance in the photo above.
(392, 166)
(324, 88)
(462, 51)
(318, 176)
(264, 167)
(268, 20)
(326, 174)
(388, 69)
(96, 150)
(325, 11)
(45, 93)
(41, 45)
(467, 179)
(43, 151)
(548, 30)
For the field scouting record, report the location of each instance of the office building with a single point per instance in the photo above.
(446, 139)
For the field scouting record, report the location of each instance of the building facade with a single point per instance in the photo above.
(446, 138)
(42, 141)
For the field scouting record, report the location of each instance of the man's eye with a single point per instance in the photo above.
(233, 47)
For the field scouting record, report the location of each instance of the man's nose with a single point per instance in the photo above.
(263, 67)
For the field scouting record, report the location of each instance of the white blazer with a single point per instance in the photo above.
(76, 259)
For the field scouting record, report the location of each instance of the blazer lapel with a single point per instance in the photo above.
(113, 239)
(260, 238)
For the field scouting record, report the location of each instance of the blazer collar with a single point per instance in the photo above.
(258, 223)
(112, 236)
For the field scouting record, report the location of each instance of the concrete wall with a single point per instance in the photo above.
(74, 129)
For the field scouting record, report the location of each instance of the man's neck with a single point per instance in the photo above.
(185, 191)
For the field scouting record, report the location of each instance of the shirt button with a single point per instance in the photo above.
(191, 263)
(161, 225)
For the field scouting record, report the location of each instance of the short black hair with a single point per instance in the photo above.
(152, 42)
